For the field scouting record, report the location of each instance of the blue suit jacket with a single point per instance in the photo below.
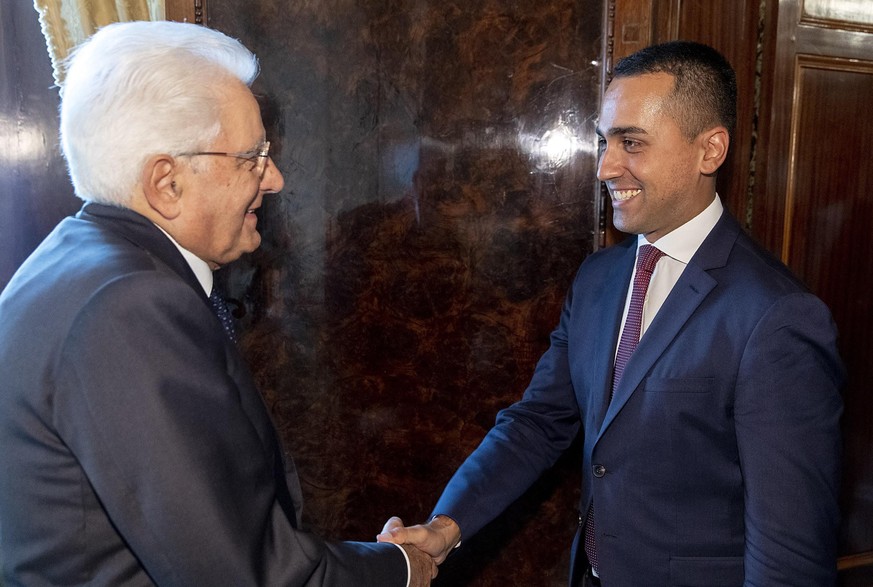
(136, 449)
(717, 461)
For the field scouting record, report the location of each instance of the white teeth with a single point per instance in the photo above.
(625, 194)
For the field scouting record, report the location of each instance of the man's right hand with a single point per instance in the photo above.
(437, 538)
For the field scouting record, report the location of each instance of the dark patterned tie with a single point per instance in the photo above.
(219, 306)
(647, 258)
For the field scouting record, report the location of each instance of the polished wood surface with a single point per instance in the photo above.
(34, 190)
(439, 160)
(195, 11)
(734, 32)
(829, 204)
(852, 13)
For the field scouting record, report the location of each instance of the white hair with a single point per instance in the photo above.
(136, 89)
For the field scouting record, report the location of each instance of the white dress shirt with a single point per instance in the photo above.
(678, 246)
(200, 267)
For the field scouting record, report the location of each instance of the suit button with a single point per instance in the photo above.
(599, 471)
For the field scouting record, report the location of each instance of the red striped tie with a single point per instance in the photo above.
(646, 260)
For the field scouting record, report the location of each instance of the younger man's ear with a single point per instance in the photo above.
(159, 185)
(715, 148)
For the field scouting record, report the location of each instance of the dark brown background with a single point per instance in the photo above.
(417, 264)
(440, 192)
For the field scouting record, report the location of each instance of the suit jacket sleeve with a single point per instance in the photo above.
(177, 445)
(787, 416)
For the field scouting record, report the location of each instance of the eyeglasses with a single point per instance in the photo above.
(257, 157)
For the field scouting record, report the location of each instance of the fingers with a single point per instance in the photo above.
(418, 536)
(393, 531)
(436, 538)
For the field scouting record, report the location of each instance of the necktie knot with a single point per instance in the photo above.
(648, 257)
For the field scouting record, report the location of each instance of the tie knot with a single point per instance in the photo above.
(648, 258)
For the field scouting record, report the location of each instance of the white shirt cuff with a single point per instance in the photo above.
(408, 565)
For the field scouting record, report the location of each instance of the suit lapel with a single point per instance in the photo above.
(679, 307)
(144, 234)
(613, 299)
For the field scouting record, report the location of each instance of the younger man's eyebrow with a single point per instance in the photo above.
(622, 130)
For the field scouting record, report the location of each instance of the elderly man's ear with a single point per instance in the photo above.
(159, 186)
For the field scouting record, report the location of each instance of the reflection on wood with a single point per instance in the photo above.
(439, 160)
(848, 11)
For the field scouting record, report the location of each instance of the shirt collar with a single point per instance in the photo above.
(200, 267)
(681, 243)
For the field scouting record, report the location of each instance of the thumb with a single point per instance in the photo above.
(393, 531)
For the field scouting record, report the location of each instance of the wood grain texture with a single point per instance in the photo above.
(439, 160)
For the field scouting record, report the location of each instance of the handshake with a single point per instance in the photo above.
(426, 545)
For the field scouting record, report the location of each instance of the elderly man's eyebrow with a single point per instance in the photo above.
(622, 130)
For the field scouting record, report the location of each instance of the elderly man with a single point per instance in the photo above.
(135, 447)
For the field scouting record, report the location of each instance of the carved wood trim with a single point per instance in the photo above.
(602, 203)
(854, 561)
(840, 25)
(608, 40)
(187, 11)
(808, 17)
(632, 29)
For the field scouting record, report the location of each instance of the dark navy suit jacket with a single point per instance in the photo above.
(717, 461)
(136, 449)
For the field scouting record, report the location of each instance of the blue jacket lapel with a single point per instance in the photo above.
(613, 301)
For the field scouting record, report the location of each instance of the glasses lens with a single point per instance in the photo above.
(263, 155)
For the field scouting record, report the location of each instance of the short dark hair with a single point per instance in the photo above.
(705, 90)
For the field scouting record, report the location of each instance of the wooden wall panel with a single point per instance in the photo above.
(735, 33)
(35, 192)
(828, 206)
(187, 10)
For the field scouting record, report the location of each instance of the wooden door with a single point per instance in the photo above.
(813, 206)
